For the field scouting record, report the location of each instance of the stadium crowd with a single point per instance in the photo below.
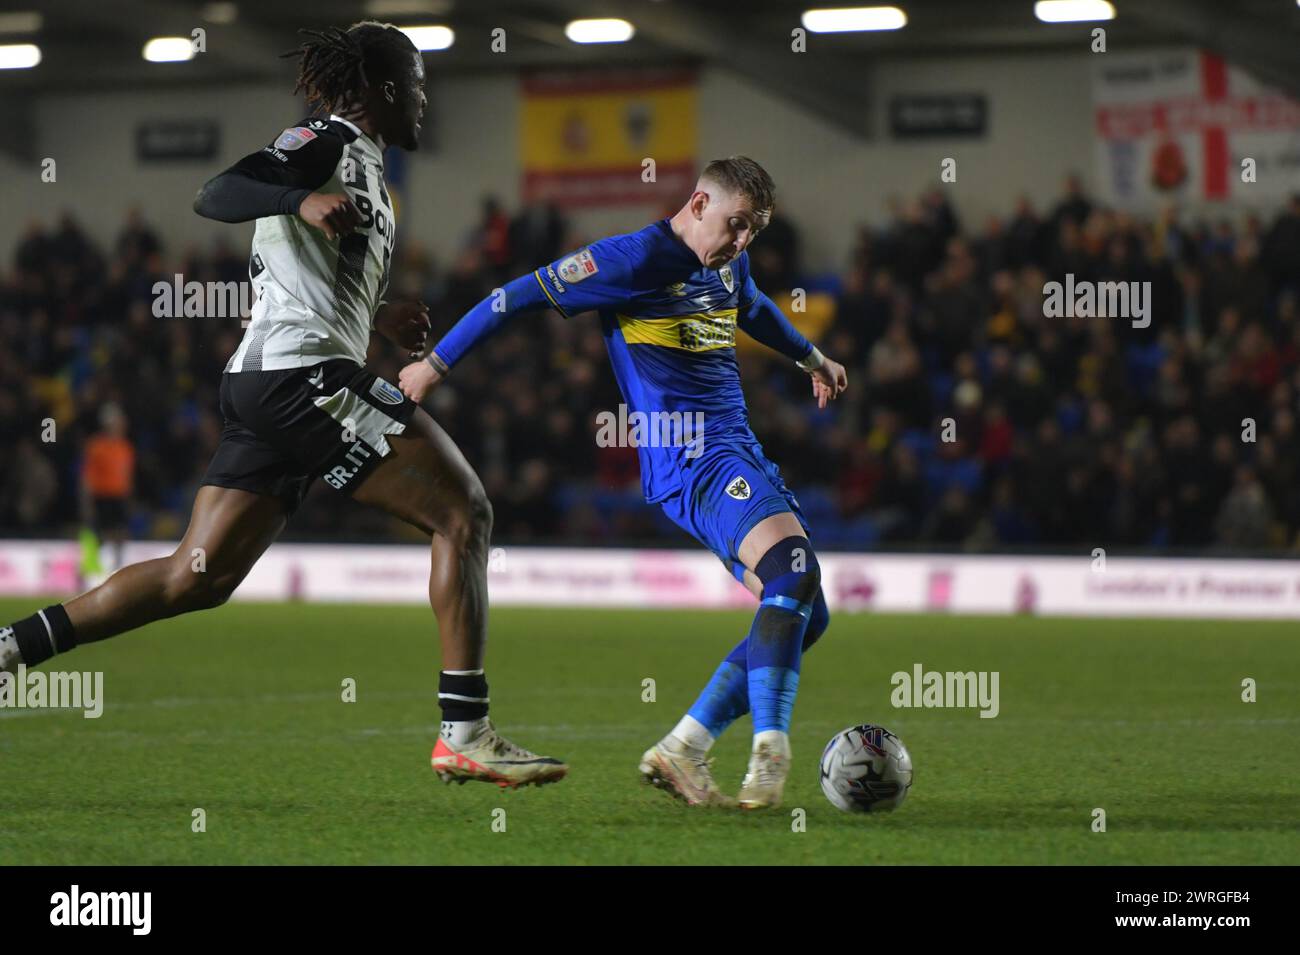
(972, 421)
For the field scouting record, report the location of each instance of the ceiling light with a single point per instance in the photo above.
(599, 31)
(854, 19)
(1073, 11)
(19, 56)
(168, 49)
(430, 38)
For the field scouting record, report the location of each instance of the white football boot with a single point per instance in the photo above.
(684, 772)
(769, 765)
(491, 758)
(9, 657)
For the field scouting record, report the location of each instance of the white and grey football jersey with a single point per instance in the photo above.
(317, 297)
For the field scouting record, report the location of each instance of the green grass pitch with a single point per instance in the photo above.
(238, 711)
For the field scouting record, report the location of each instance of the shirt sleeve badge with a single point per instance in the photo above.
(578, 266)
(294, 138)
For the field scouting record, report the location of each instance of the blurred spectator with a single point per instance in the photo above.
(1245, 519)
(1282, 249)
(108, 478)
(30, 489)
(136, 242)
(1069, 432)
(493, 239)
(537, 236)
(1075, 207)
(774, 256)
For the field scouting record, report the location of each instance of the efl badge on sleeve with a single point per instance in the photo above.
(294, 138)
(578, 266)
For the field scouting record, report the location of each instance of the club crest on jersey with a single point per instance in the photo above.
(677, 289)
(385, 392)
(294, 138)
(739, 489)
(578, 266)
(728, 279)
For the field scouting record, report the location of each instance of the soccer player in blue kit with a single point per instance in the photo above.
(670, 298)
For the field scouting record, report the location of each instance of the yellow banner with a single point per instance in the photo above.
(585, 135)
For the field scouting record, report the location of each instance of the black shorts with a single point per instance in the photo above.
(283, 429)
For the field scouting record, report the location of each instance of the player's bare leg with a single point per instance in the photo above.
(229, 530)
(427, 482)
(752, 583)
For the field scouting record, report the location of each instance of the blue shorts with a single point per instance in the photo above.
(724, 494)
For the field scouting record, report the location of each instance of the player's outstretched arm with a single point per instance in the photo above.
(763, 321)
(523, 294)
(595, 277)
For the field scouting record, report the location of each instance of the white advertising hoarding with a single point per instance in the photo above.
(892, 583)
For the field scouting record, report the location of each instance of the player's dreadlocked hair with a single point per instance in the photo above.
(335, 66)
(741, 176)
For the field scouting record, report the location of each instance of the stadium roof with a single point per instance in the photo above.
(96, 45)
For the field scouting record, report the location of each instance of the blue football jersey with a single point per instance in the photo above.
(670, 328)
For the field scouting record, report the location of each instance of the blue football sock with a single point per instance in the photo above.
(774, 654)
(726, 697)
(791, 581)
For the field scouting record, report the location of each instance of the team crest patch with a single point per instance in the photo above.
(677, 288)
(728, 279)
(383, 391)
(739, 489)
(578, 266)
(294, 138)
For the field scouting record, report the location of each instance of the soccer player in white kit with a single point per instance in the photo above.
(299, 404)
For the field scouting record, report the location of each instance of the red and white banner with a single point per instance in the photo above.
(672, 579)
(1179, 124)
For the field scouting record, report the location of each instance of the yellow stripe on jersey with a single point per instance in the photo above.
(698, 331)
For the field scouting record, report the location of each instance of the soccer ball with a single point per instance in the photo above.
(866, 769)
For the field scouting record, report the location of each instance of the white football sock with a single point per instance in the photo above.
(690, 733)
(778, 740)
(461, 732)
